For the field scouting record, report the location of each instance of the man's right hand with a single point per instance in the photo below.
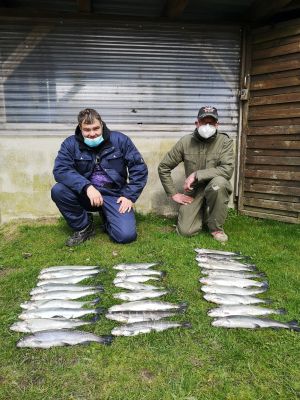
(182, 198)
(95, 196)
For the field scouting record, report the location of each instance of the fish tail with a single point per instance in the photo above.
(186, 325)
(261, 274)
(268, 301)
(294, 326)
(265, 285)
(281, 311)
(105, 339)
(94, 302)
(183, 306)
(163, 274)
(100, 310)
(100, 288)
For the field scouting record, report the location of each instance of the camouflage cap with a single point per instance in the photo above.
(208, 111)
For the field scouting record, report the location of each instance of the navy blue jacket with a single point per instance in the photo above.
(119, 157)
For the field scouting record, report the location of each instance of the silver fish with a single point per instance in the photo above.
(129, 317)
(63, 286)
(217, 289)
(245, 310)
(70, 267)
(125, 267)
(147, 305)
(135, 279)
(232, 299)
(219, 258)
(146, 327)
(230, 281)
(136, 286)
(59, 313)
(64, 274)
(213, 251)
(235, 274)
(34, 305)
(63, 337)
(144, 272)
(227, 266)
(64, 295)
(45, 324)
(253, 323)
(66, 280)
(140, 295)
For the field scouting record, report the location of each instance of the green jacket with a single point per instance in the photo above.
(208, 158)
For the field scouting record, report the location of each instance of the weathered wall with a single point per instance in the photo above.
(26, 176)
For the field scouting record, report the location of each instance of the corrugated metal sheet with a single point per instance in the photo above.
(144, 77)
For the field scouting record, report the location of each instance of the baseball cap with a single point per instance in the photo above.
(208, 111)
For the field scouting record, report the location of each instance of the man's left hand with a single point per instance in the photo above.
(126, 204)
(189, 181)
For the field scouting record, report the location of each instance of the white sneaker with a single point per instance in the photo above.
(220, 236)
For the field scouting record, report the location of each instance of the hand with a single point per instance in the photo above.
(95, 196)
(189, 181)
(126, 204)
(182, 198)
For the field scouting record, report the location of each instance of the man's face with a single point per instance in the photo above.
(93, 130)
(206, 120)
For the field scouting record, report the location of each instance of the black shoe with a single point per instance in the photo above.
(79, 237)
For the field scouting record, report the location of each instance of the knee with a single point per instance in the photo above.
(218, 184)
(57, 191)
(183, 231)
(123, 236)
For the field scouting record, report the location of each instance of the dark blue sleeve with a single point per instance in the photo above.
(64, 167)
(137, 171)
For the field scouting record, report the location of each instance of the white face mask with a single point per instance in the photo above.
(206, 131)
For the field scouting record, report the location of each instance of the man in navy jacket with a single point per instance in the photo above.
(98, 170)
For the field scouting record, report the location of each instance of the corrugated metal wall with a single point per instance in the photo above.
(142, 77)
(270, 181)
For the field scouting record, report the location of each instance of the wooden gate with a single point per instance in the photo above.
(269, 178)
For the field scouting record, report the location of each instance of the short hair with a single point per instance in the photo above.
(88, 116)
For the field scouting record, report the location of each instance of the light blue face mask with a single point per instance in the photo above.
(93, 142)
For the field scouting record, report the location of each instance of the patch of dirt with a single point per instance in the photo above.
(167, 229)
(4, 272)
(147, 375)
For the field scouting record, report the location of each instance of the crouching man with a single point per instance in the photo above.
(208, 160)
(98, 170)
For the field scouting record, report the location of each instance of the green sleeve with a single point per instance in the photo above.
(169, 162)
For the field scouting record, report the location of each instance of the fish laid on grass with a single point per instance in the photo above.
(71, 267)
(33, 305)
(135, 279)
(146, 327)
(59, 313)
(126, 267)
(63, 337)
(232, 299)
(66, 273)
(64, 294)
(65, 287)
(140, 295)
(230, 281)
(245, 310)
(45, 324)
(227, 267)
(144, 272)
(253, 323)
(129, 317)
(213, 251)
(248, 291)
(218, 273)
(64, 281)
(136, 286)
(147, 306)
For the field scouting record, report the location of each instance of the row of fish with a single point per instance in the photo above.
(53, 311)
(230, 281)
(139, 313)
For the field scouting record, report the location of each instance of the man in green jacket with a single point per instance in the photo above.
(208, 161)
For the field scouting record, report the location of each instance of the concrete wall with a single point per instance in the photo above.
(26, 176)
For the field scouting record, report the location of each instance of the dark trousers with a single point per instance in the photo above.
(73, 206)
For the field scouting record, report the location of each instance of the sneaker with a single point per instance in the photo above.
(220, 236)
(79, 237)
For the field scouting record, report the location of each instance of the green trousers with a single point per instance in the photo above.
(210, 207)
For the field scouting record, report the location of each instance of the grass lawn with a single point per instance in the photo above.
(203, 362)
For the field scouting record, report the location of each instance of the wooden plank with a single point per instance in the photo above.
(277, 51)
(274, 121)
(275, 168)
(263, 83)
(276, 64)
(272, 189)
(277, 137)
(266, 8)
(275, 91)
(270, 32)
(284, 175)
(258, 214)
(175, 8)
(275, 43)
(274, 130)
(270, 204)
(269, 182)
(268, 112)
(272, 197)
(270, 160)
(273, 152)
(275, 99)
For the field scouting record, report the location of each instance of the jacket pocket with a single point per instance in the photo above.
(83, 164)
(212, 161)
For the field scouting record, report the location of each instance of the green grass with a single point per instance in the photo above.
(198, 363)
